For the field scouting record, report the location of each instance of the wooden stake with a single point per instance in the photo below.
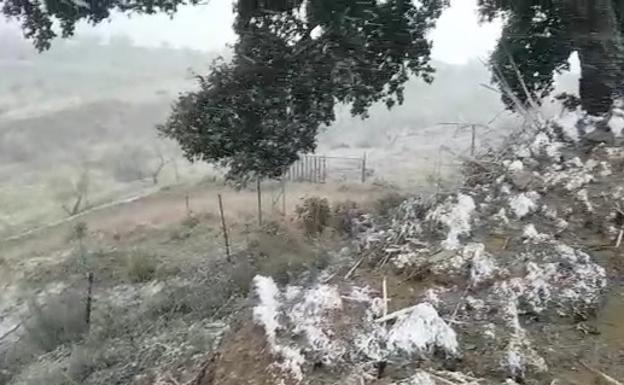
(384, 291)
(364, 168)
(188, 206)
(619, 239)
(474, 138)
(604, 376)
(352, 270)
(258, 187)
(284, 197)
(225, 232)
(89, 299)
(396, 314)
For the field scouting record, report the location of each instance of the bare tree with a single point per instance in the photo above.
(162, 162)
(79, 195)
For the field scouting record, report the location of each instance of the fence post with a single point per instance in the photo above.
(473, 143)
(364, 168)
(188, 206)
(316, 178)
(259, 186)
(89, 299)
(225, 233)
(284, 197)
(324, 169)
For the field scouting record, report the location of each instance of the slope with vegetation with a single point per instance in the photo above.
(516, 278)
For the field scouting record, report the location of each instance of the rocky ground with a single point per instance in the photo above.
(515, 279)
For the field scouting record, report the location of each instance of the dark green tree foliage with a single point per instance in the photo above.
(38, 17)
(539, 36)
(256, 114)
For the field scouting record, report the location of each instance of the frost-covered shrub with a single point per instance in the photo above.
(314, 215)
(343, 216)
(58, 321)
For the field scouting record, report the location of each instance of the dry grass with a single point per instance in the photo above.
(386, 204)
(282, 251)
(60, 321)
(141, 267)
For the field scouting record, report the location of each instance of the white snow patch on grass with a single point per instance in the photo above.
(482, 266)
(524, 203)
(266, 312)
(501, 215)
(568, 123)
(457, 217)
(421, 331)
(420, 378)
(542, 144)
(583, 197)
(516, 165)
(519, 354)
(309, 317)
(616, 124)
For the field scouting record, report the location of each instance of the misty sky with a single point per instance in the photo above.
(457, 39)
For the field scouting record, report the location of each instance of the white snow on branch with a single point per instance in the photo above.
(457, 217)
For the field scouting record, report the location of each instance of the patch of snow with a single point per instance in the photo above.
(431, 296)
(405, 259)
(457, 217)
(524, 203)
(421, 331)
(266, 312)
(317, 32)
(420, 378)
(489, 331)
(501, 215)
(568, 122)
(523, 152)
(604, 169)
(542, 144)
(577, 181)
(360, 294)
(531, 234)
(561, 224)
(482, 266)
(309, 317)
(516, 165)
(476, 304)
(519, 354)
(576, 162)
(582, 196)
(615, 153)
(616, 124)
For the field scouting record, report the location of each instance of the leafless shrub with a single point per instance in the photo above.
(314, 215)
(343, 216)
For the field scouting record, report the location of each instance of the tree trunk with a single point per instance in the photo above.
(596, 35)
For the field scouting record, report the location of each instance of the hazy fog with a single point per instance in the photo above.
(90, 104)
